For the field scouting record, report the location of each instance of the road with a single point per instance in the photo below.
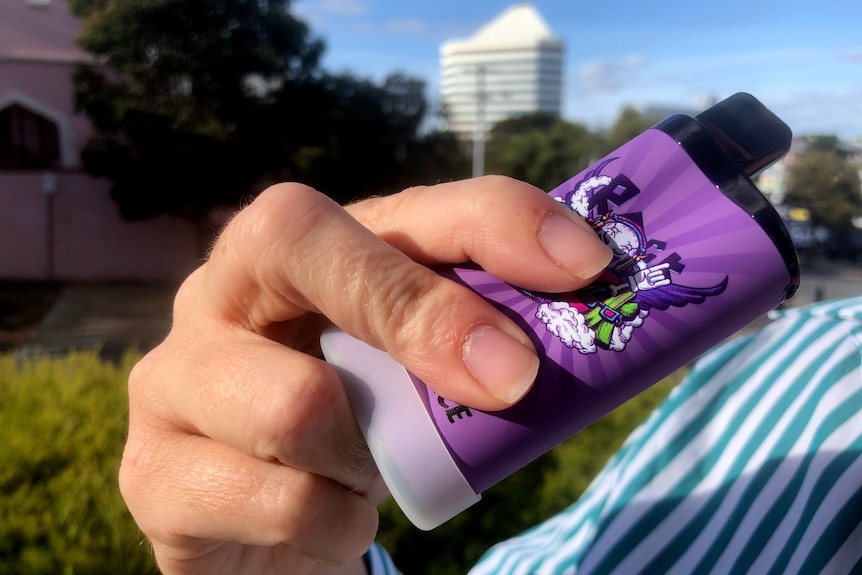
(824, 279)
(114, 318)
(110, 317)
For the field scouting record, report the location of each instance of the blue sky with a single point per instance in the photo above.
(801, 58)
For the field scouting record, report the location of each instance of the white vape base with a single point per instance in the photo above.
(412, 458)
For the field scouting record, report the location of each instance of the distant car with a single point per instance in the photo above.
(843, 245)
(802, 234)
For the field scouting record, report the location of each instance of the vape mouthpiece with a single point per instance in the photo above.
(750, 133)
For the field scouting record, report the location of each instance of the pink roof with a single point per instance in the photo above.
(38, 30)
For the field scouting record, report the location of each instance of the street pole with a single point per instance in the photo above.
(49, 190)
(479, 124)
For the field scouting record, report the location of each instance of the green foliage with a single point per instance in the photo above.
(584, 455)
(825, 182)
(536, 492)
(829, 143)
(540, 149)
(193, 60)
(176, 80)
(199, 103)
(357, 138)
(628, 124)
(545, 150)
(62, 428)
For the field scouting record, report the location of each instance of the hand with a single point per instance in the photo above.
(243, 455)
(650, 278)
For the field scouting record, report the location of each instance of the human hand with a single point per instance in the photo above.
(243, 455)
(650, 278)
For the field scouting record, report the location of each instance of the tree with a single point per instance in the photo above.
(545, 150)
(628, 124)
(825, 182)
(523, 124)
(200, 103)
(358, 138)
(540, 149)
(176, 80)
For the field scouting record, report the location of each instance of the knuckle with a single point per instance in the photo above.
(409, 301)
(285, 518)
(286, 203)
(187, 295)
(502, 190)
(287, 419)
(289, 194)
(141, 372)
(131, 473)
(315, 517)
(496, 181)
(502, 194)
(296, 509)
(374, 213)
(288, 208)
(312, 407)
(141, 472)
(143, 383)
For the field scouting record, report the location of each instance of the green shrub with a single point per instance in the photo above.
(62, 428)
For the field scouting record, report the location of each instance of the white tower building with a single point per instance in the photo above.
(512, 65)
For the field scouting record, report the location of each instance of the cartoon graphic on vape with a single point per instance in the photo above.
(606, 313)
(452, 412)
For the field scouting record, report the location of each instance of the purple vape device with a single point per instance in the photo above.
(699, 254)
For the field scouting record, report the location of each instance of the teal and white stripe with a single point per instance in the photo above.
(378, 562)
(752, 465)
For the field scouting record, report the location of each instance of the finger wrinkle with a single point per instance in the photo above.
(409, 302)
(297, 503)
(375, 213)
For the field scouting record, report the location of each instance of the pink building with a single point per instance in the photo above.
(56, 221)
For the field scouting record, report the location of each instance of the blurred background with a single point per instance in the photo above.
(131, 131)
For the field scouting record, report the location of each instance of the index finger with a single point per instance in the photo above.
(512, 229)
(294, 250)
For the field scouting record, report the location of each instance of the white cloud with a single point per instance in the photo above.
(319, 12)
(405, 28)
(342, 7)
(851, 56)
(610, 75)
(820, 111)
(338, 16)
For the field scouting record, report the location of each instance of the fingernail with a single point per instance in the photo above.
(574, 247)
(504, 366)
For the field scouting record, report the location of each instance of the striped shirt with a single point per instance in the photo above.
(378, 562)
(753, 464)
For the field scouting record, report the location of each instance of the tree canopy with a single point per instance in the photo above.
(546, 150)
(540, 149)
(628, 124)
(198, 103)
(823, 180)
